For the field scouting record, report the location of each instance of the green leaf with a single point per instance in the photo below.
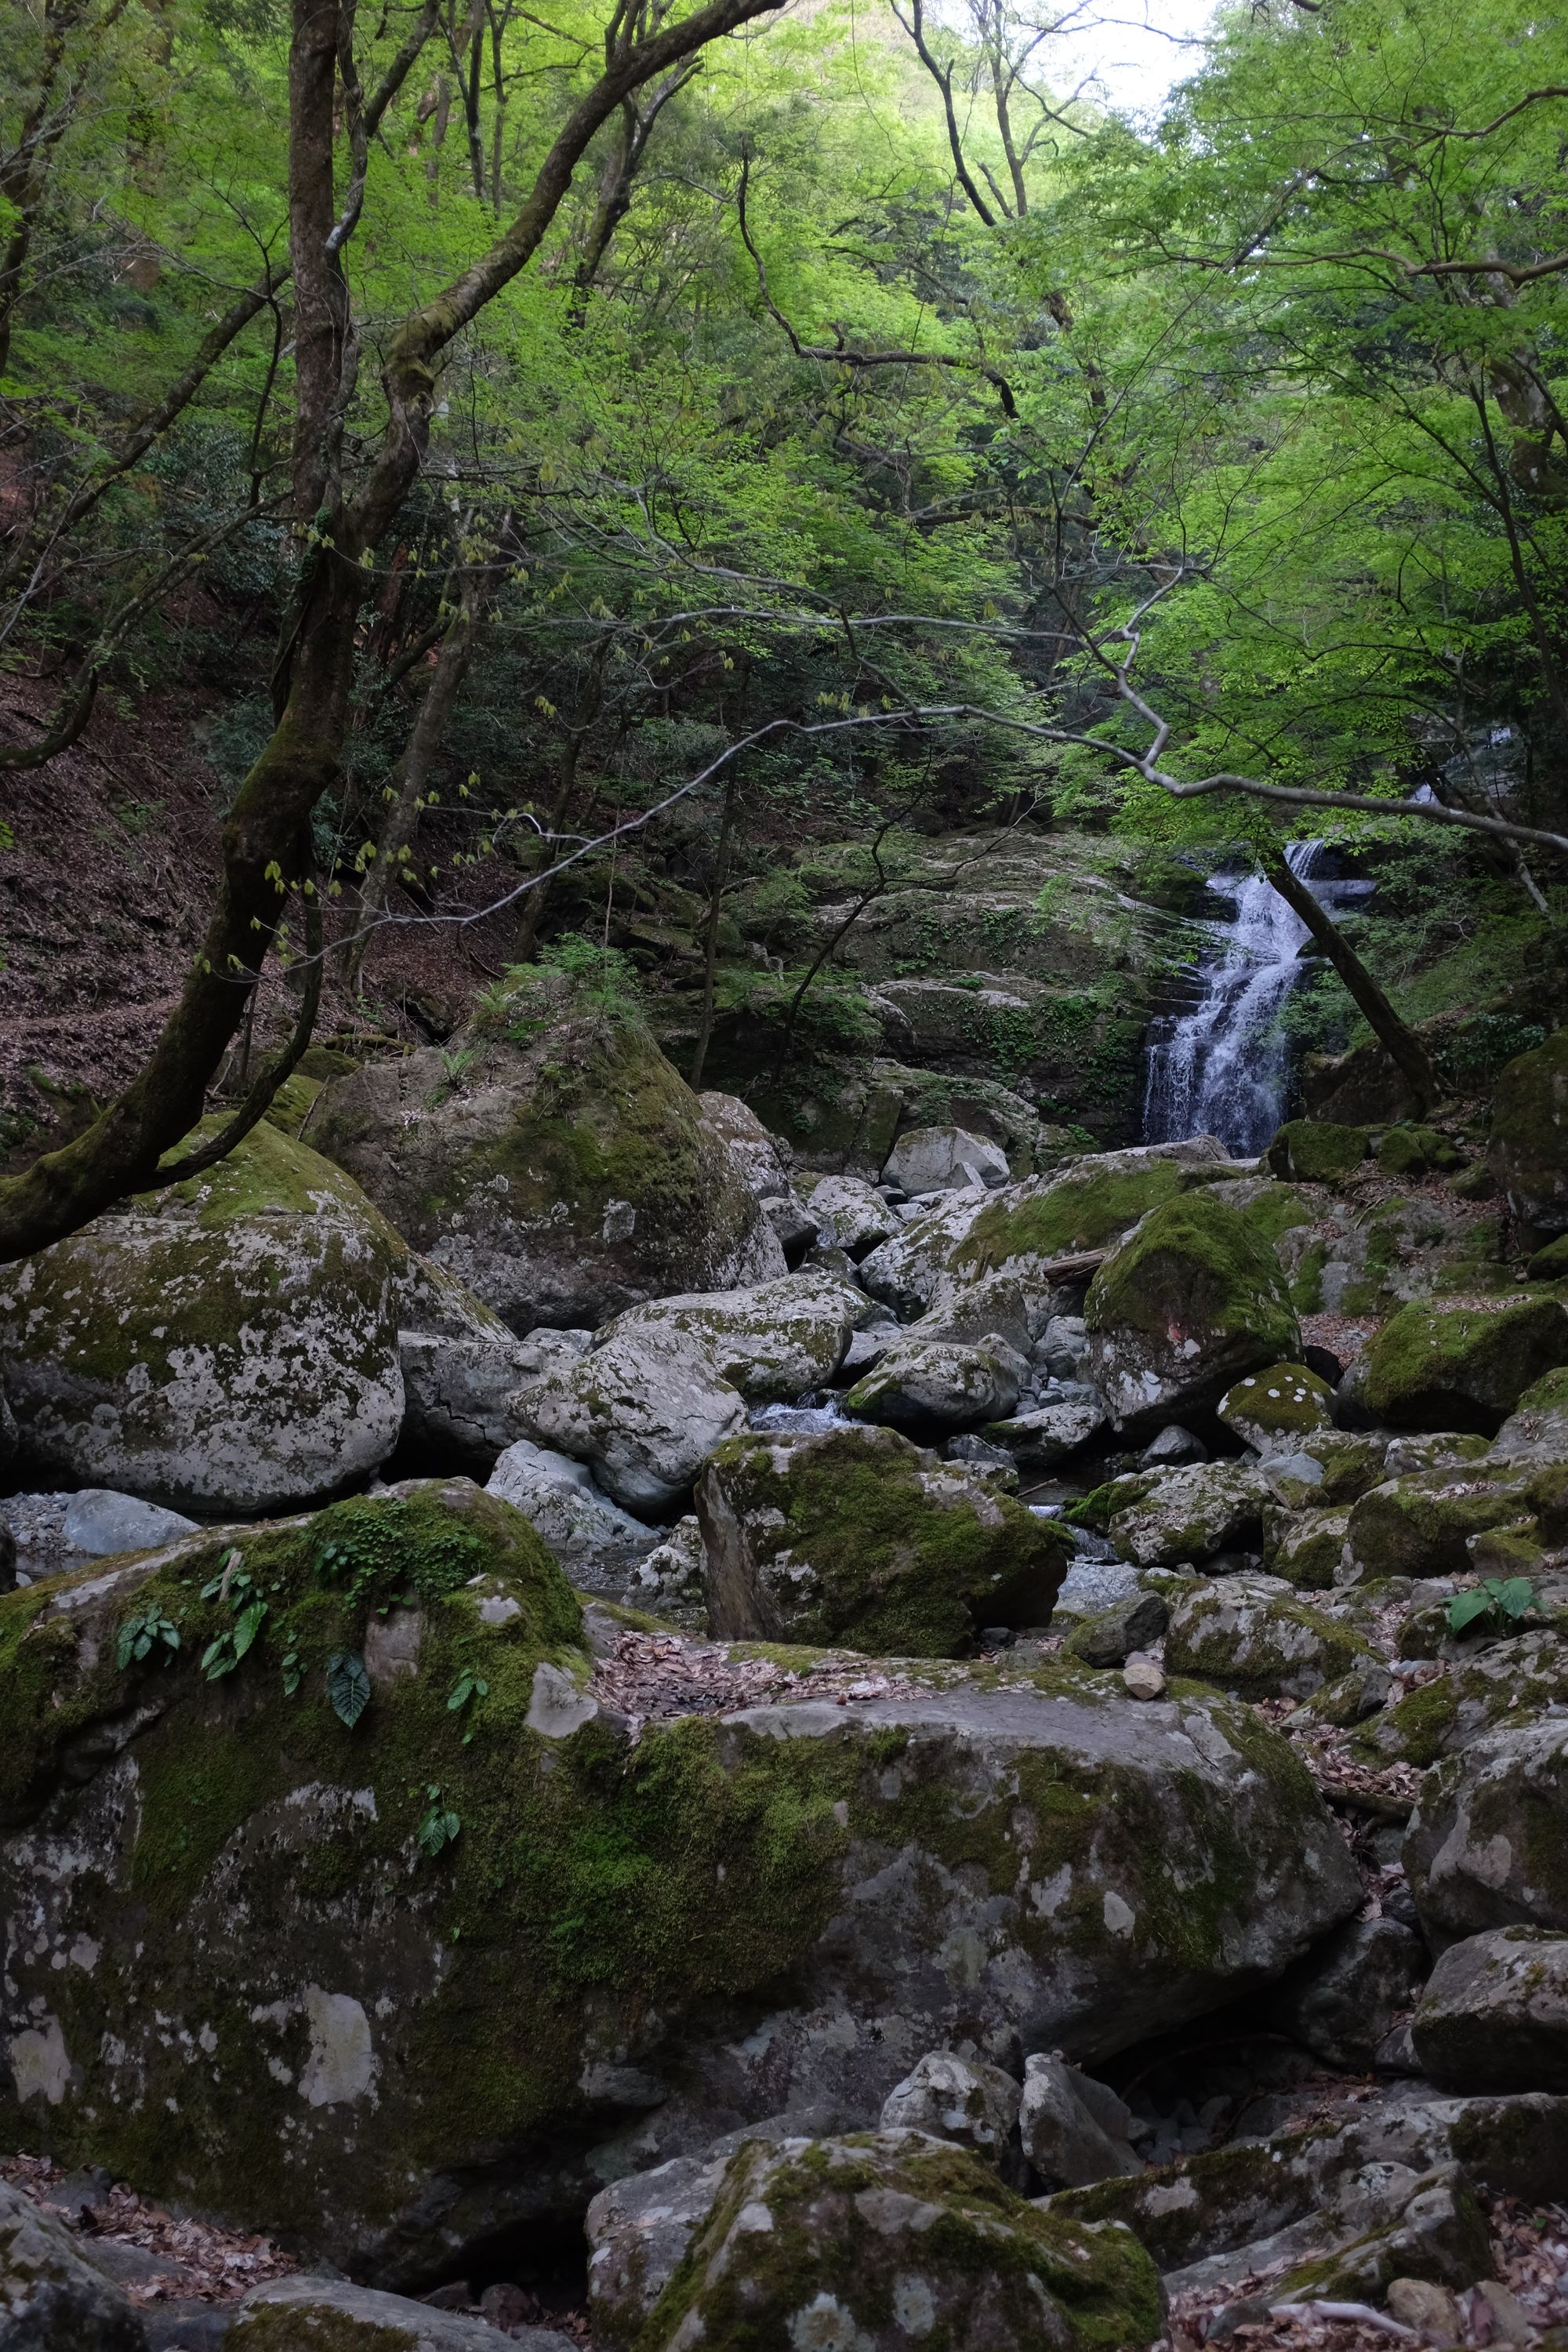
(1466, 1607)
(293, 1673)
(1516, 1598)
(249, 1625)
(347, 1685)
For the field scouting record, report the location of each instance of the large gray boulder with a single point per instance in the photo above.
(944, 1160)
(552, 1160)
(963, 2100)
(462, 1366)
(771, 1341)
(600, 1546)
(1072, 2130)
(940, 1385)
(50, 2299)
(646, 1408)
(774, 1908)
(229, 1344)
(322, 2314)
(1189, 1514)
(1486, 1842)
(1494, 2015)
(1253, 1635)
(850, 1215)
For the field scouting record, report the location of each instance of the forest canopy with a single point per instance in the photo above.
(548, 433)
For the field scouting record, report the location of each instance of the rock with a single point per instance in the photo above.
(859, 1537)
(1537, 1425)
(1252, 1636)
(1048, 1433)
(943, 1160)
(1194, 1298)
(1143, 1677)
(568, 1173)
(99, 1523)
(937, 1384)
(226, 1345)
(997, 1307)
(1190, 1515)
(1421, 1525)
(1352, 1698)
(1485, 1840)
(598, 1545)
(1274, 1409)
(1174, 1448)
(1494, 2016)
(1343, 1998)
(1529, 1148)
(850, 1214)
(1062, 1348)
(1092, 1585)
(320, 2314)
(462, 1366)
(978, 1455)
(874, 2240)
(51, 2300)
(1441, 2235)
(1505, 2319)
(1463, 1368)
(1110, 1639)
(964, 2100)
(1522, 1678)
(1317, 1151)
(770, 1341)
(1430, 2310)
(1072, 2130)
(646, 1407)
(638, 2230)
(1306, 1548)
(1410, 1150)
(755, 1151)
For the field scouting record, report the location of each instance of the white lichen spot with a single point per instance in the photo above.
(341, 2065)
(40, 2064)
(1119, 1918)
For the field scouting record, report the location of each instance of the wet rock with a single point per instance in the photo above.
(879, 2239)
(99, 1523)
(225, 1344)
(51, 2300)
(1494, 2016)
(943, 1160)
(1072, 2130)
(568, 1173)
(964, 2100)
(598, 1545)
(1190, 1515)
(937, 1384)
(306, 2315)
(1176, 1314)
(1529, 1147)
(1462, 1368)
(852, 1215)
(1251, 1635)
(1344, 1997)
(1485, 1843)
(646, 1407)
(860, 1539)
(1274, 1409)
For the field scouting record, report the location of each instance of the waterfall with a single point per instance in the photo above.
(1220, 1067)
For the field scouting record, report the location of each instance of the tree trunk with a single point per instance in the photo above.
(710, 942)
(1401, 1045)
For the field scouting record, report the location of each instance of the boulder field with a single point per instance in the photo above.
(965, 1758)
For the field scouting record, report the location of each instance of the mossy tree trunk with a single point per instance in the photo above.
(1400, 1042)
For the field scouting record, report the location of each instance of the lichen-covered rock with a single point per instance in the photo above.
(879, 2239)
(278, 1981)
(1111, 1638)
(943, 1160)
(1189, 1514)
(1050, 1433)
(1421, 1525)
(1072, 2130)
(1251, 1635)
(1494, 2015)
(859, 1539)
(1345, 1997)
(963, 2100)
(646, 1407)
(851, 1214)
(566, 1173)
(1275, 1411)
(754, 1148)
(1306, 1548)
(935, 1384)
(1529, 1149)
(1463, 1368)
(1505, 1687)
(1537, 1425)
(1439, 2233)
(1488, 1843)
(461, 1368)
(1317, 1150)
(1352, 1462)
(227, 1344)
(50, 2299)
(600, 1546)
(1194, 1299)
(320, 2314)
(770, 1341)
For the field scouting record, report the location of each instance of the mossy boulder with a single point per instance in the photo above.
(1494, 2015)
(939, 1384)
(1487, 1844)
(1411, 1150)
(770, 1340)
(553, 1160)
(1252, 1636)
(880, 2238)
(1505, 1687)
(51, 2299)
(1318, 1151)
(1529, 1150)
(859, 1539)
(283, 1980)
(1193, 1300)
(1421, 1525)
(1464, 1367)
(1276, 1409)
(1189, 1513)
(1306, 1548)
(309, 2313)
(228, 1344)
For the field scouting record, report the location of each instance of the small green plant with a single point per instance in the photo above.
(347, 1685)
(141, 1633)
(457, 1066)
(440, 1825)
(467, 1687)
(233, 1588)
(1502, 1601)
(293, 1673)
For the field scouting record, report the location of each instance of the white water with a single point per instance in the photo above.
(1221, 1068)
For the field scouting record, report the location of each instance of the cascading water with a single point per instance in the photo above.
(1220, 1067)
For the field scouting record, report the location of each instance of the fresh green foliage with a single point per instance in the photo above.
(141, 1632)
(233, 1588)
(438, 1826)
(1502, 1602)
(347, 1685)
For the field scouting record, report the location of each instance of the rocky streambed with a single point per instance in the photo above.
(607, 1735)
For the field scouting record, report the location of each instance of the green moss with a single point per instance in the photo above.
(1462, 1368)
(1075, 1214)
(1280, 1209)
(1277, 1644)
(1410, 1150)
(289, 2327)
(1317, 1151)
(1193, 1265)
(290, 1104)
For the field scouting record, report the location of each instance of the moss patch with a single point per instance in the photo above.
(1462, 1368)
(1317, 1151)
